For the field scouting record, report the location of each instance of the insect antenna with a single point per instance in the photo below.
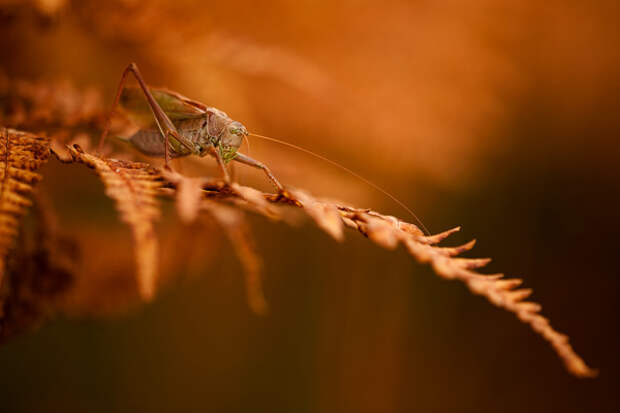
(247, 143)
(344, 168)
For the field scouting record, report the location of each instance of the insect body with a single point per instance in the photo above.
(212, 128)
(175, 126)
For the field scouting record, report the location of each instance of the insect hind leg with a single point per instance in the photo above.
(165, 125)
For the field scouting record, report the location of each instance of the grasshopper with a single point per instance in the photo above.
(176, 126)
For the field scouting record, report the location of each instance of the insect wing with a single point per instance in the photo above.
(176, 106)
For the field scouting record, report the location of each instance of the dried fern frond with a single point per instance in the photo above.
(41, 271)
(188, 194)
(389, 232)
(238, 232)
(504, 293)
(190, 201)
(45, 105)
(21, 155)
(134, 187)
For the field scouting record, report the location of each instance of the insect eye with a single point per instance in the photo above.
(235, 131)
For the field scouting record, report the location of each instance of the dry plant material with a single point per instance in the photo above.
(504, 293)
(238, 231)
(21, 155)
(388, 232)
(43, 105)
(59, 107)
(190, 201)
(41, 270)
(134, 187)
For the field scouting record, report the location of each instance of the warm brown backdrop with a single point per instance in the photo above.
(500, 118)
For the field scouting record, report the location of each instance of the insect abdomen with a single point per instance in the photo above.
(151, 143)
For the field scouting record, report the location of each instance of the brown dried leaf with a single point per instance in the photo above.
(236, 228)
(21, 155)
(134, 186)
(250, 194)
(61, 152)
(325, 215)
(41, 271)
(386, 231)
(189, 194)
(48, 105)
(381, 232)
(499, 292)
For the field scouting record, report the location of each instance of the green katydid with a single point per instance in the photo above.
(183, 127)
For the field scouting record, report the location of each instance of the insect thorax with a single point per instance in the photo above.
(214, 128)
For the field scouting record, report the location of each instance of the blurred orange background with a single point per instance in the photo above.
(500, 117)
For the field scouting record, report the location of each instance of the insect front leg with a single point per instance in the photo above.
(165, 125)
(220, 163)
(257, 164)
